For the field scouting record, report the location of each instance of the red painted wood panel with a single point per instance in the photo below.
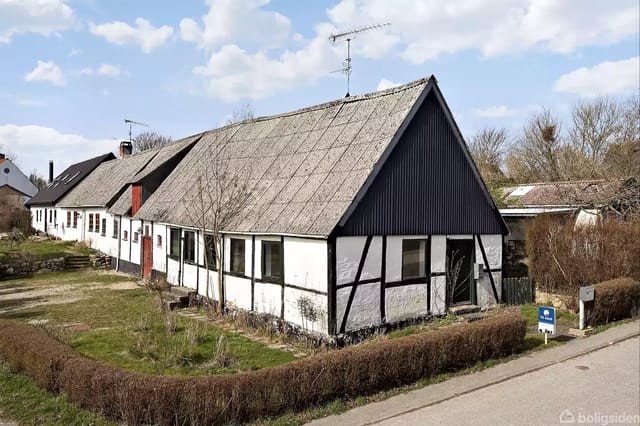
(147, 257)
(136, 199)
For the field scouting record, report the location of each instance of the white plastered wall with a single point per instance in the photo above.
(493, 249)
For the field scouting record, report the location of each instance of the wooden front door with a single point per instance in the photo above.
(460, 272)
(147, 257)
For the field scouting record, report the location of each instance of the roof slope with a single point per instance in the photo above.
(303, 168)
(67, 180)
(556, 194)
(110, 178)
(11, 175)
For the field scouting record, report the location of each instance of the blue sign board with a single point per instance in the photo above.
(547, 320)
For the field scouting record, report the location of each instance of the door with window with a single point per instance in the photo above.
(459, 267)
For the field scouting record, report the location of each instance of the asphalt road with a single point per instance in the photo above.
(602, 387)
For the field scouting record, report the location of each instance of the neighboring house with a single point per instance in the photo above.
(586, 200)
(129, 180)
(43, 205)
(363, 211)
(15, 190)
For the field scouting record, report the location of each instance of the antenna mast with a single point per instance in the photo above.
(348, 36)
(131, 123)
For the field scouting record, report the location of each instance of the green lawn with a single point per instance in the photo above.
(530, 312)
(127, 329)
(24, 402)
(39, 250)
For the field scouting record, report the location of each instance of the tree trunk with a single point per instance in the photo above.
(219, 257)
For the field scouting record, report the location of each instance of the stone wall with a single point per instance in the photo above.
(23, 269)
(100, 261)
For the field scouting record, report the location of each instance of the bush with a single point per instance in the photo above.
(358, 370)
(614, 300)
(564, 257)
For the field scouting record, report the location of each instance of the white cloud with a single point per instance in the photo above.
(232, 73)
(144, 34)
(433, 28)
(606, 78)
(46, 71)
(44, 17)
(35, 103)
(74, 52)
(386, 84)
(236, 21)
(105, 70)
(495, 111)
(36, 145)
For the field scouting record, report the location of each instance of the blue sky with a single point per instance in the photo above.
(73, 70)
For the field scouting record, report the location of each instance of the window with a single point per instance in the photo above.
(159, 239)
(125, 235)
(97, 223)
(210, 251)
(50, 216)
(115, 228)
(272, 260)
(68, 219)
(90, 222)
(104, 227)
(414, 259)
(174, 243)
(237, 256)
(146, 230)
(189, 246)
(75, 219)
(135, 237)
(55, 216)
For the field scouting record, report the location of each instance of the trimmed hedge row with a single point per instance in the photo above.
(614, 300)
(359, 370)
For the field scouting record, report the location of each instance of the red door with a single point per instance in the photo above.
(147, 257)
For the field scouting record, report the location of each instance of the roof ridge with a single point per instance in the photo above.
(565, 182)
(355, 98)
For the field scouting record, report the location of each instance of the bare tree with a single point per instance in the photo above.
(535, 156)
(487, 149)
(241, 113)
(623, 157)
(37, 180)
(219, 193)
(596, 125)
(8, 154)
(148, 140)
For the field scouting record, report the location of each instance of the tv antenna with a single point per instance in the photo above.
(348, 36)
(131, 123)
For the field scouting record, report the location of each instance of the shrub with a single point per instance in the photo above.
(358, 370)
(563, 257)
(614, 300)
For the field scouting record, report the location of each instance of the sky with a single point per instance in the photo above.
(71, 71)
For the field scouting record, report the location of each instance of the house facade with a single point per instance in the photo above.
(15, 190)
(360, 212)
(46, 215)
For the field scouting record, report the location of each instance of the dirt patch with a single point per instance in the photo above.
(60, 289)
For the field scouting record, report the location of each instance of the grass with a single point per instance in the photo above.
(24, 402)
(530, 313)
(40, 250)
(127, 329)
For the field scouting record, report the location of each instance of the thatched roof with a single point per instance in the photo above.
(303, 169)
(111, 178)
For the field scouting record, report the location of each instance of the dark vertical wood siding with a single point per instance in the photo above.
(427, 186)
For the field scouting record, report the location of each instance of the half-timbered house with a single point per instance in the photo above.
(362, 211)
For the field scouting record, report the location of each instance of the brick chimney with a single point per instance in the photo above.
(125, 148)
(50, 171)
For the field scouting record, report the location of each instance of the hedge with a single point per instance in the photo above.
(358, 370)
(614, 300)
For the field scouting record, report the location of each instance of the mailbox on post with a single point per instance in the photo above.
(587, 295)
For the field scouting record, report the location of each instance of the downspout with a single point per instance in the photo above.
(119, 242)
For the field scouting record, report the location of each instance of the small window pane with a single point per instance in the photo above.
(189, 246)
(159, 240)
(414, 259)
(210, 251)
(115, 228)
(104, 227)
(272, 260)
(174, 243)
(237, 256)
